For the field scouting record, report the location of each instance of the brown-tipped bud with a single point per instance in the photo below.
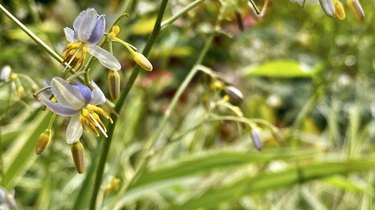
(357, 10)
(114, 82)
(142, 61)
(43, 141)
(340, 12)
(77, 153)
(256, 139)
(235, 95)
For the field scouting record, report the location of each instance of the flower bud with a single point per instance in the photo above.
(77, 153)
(256, 139)
(114, 82)
(356, 8)
(43, 141)
(20, 92)
(115, 29)
(142, 61)
(5, 73)
(235, 95)
(340, 12)
(328, 7)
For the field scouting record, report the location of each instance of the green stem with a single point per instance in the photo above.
(177, 96)
(147, 152)
(170, 20)
(119, 104)
(56, 56)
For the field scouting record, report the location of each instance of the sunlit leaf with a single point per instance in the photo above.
(281, 69)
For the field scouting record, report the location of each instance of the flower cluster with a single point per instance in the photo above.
(334, 8)
(80, 101)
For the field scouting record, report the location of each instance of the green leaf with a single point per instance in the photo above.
(203, 163)
(21, 155)
(273, 181)
(346, 184)
(281, 69)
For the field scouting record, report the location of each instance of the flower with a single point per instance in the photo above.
(88, 29)
(5, 73)
(78, 102)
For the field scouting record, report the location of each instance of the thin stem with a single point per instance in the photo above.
(170, 20)
(119, 104)
(147, 152)
(254, 7)
(56, 56)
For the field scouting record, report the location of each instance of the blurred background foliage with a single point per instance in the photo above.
(309, 75)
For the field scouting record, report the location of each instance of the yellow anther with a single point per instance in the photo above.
(98, 120)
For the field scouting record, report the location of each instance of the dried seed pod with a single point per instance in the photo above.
(328, 7)
(43, 141)
(356, 8)
(114, 82)
(77, 153)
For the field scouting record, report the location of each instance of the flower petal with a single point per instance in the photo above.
(66, 94)
(97, 95)
(69, 34)
(98, 30)
(74, 130)
(104, 57)
(84, 90)
(86, 25)
(58, 108)
(78, 20)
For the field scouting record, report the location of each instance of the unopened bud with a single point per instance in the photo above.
(77, 153)
(43, 141)
(5, 73)
(357, 10)
(113, 186)
(115, 29)
(114, 82)
(142, 61)
(20, 91)
(256, 139)
(235, 95)
(328, 7)
(340, 12)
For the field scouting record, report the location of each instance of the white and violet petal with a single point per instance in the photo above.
(69, 34)
(104, 57)
(86, 25)
(66, 94)
(74, 130)
(98, 30)
(97, 95)
(59, 108)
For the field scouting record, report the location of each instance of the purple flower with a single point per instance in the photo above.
(78, 102)
(88, 29)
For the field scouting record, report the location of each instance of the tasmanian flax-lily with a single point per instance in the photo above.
(78, 102)
(88, 29)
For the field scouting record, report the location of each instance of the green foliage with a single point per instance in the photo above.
(183, 134)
